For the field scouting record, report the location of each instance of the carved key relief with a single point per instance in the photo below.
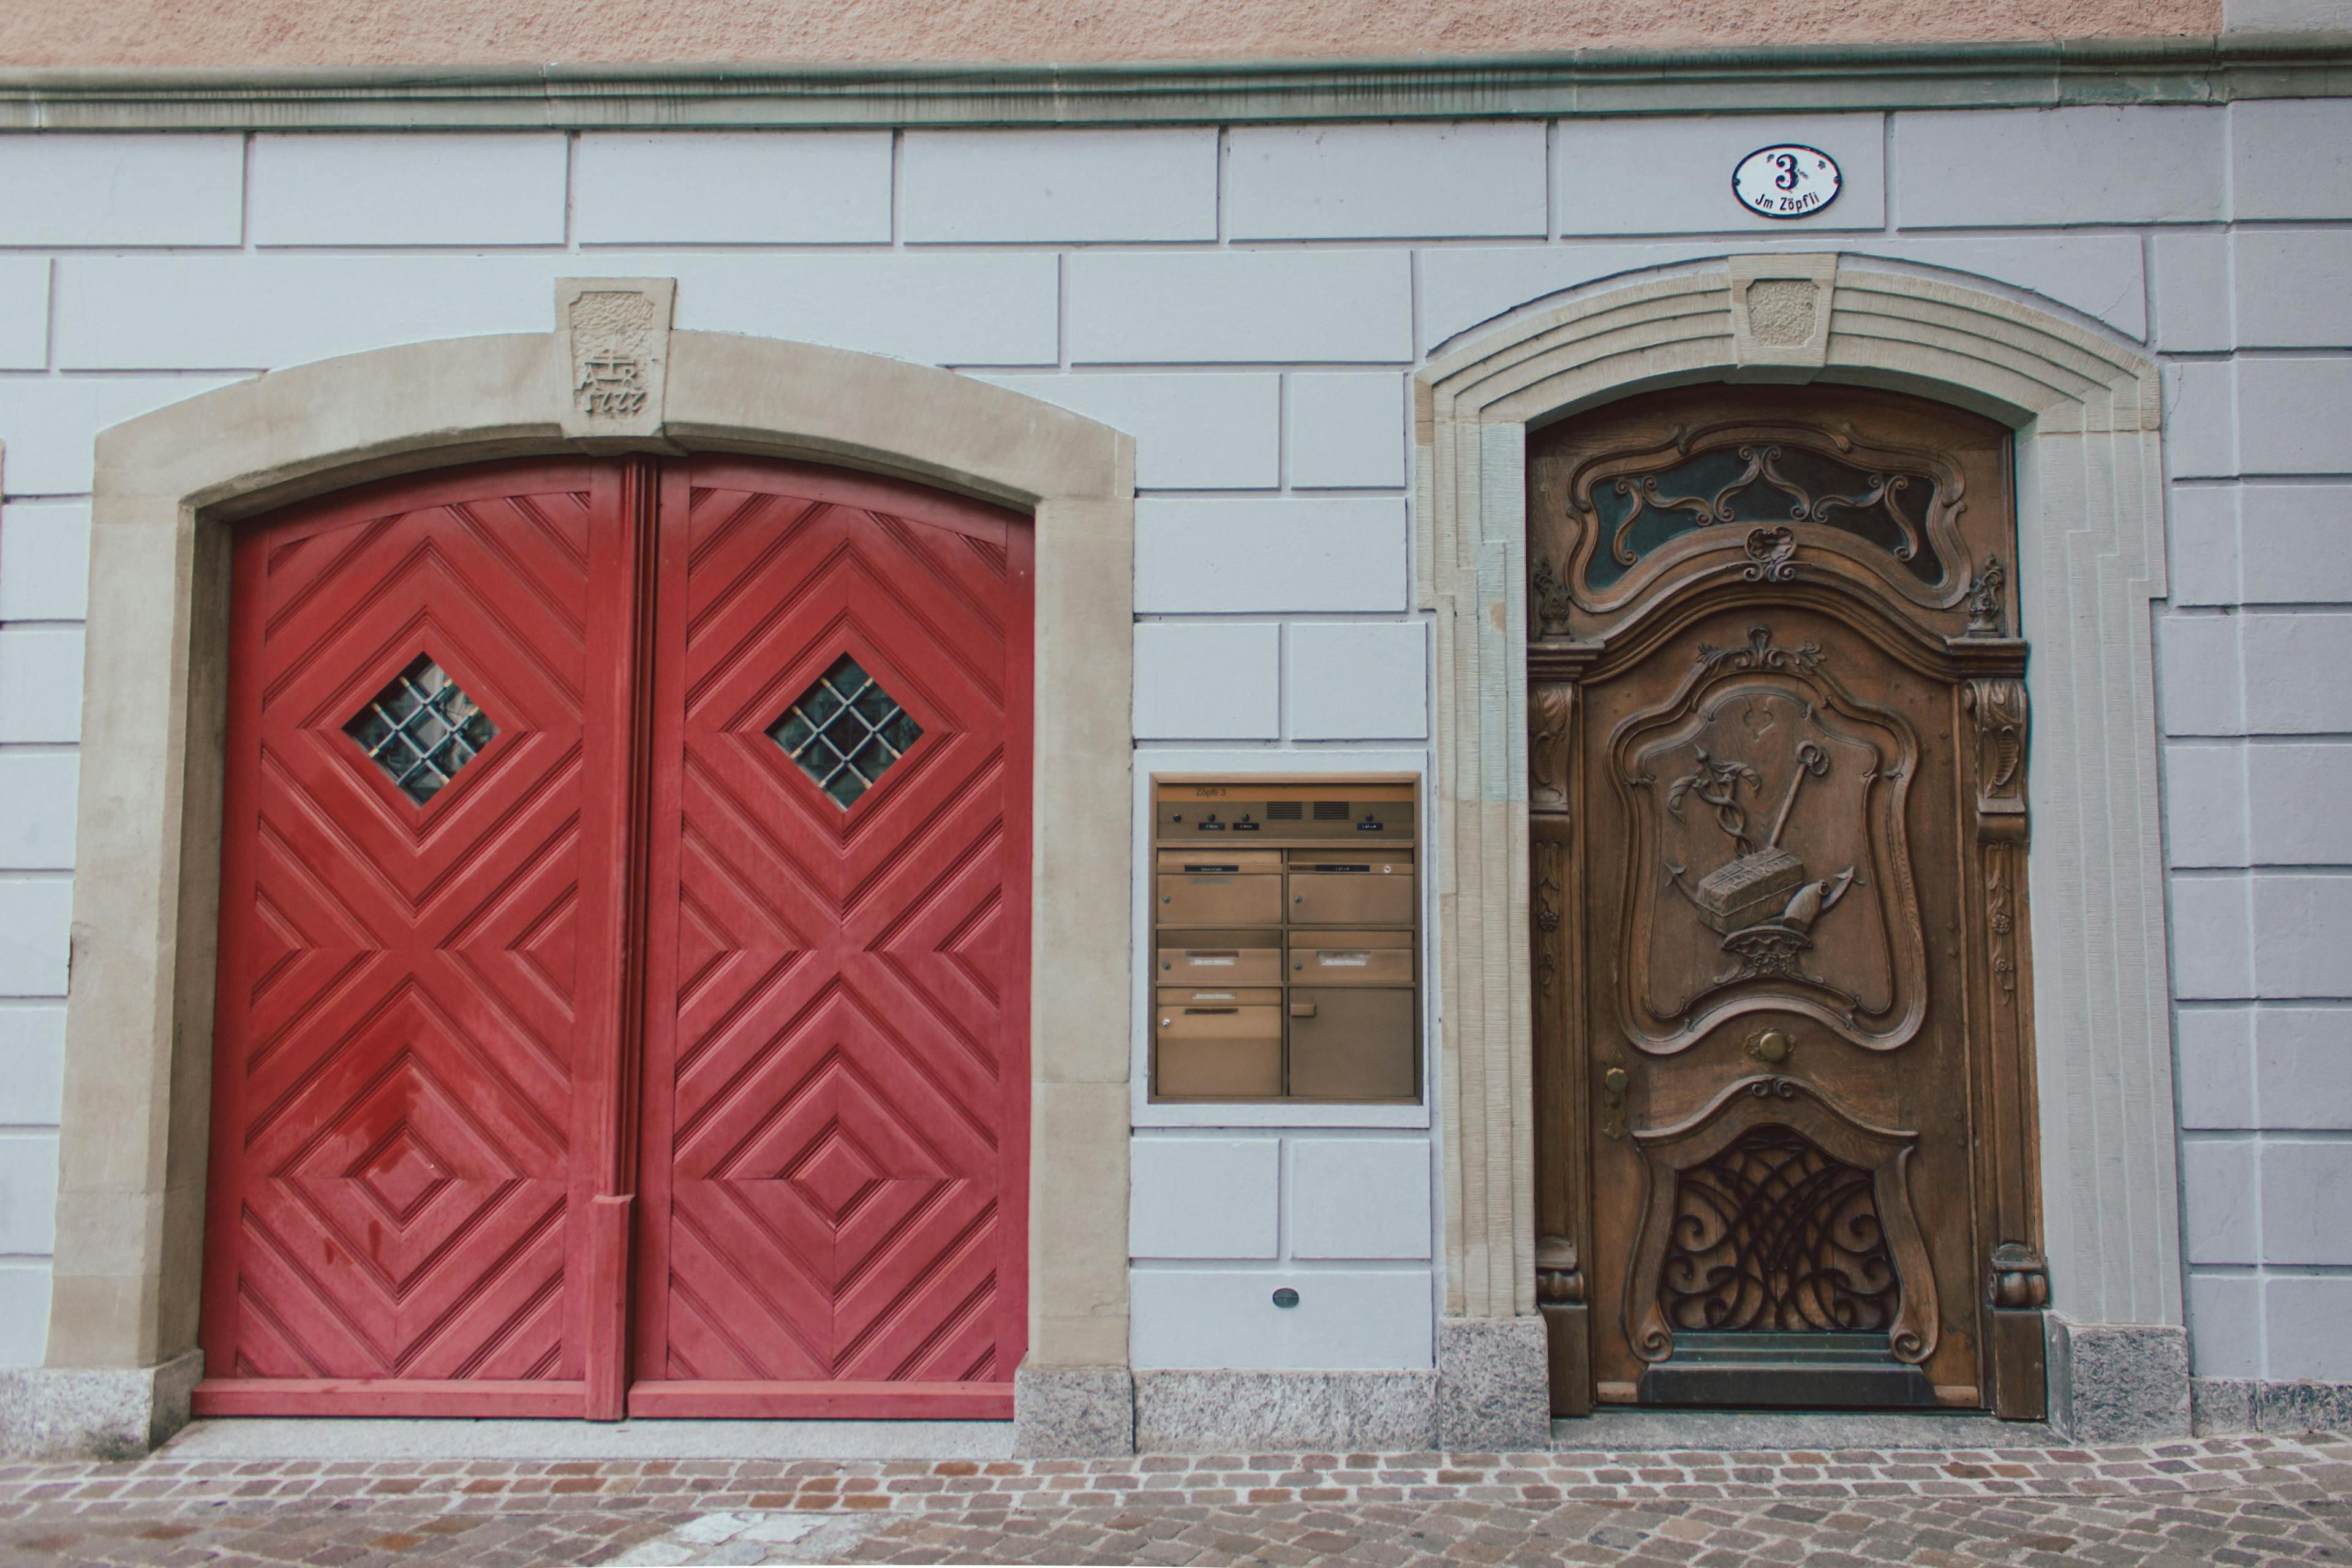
(1769, 863)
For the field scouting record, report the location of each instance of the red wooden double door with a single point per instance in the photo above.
(624, 968)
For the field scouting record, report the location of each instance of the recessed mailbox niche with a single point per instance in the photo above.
(1286, 940)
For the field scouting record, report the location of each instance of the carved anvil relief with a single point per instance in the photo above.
(1769, 866)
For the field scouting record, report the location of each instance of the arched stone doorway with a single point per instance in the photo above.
(2087, 414)
(171, 489)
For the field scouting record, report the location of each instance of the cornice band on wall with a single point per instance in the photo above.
(2213, 69)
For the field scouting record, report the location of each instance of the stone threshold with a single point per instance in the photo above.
(1719, 1431)
(389, 1440)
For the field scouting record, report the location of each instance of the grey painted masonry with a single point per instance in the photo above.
(1249, 301)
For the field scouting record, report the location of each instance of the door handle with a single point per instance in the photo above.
(1302, 1009)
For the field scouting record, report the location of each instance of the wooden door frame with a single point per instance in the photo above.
(2087, 411)
(169, 487)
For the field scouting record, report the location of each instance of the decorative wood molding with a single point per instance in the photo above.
(1878, 1157)
(2087, 411)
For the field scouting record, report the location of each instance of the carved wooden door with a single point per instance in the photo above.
(837, 1078)
(623, 949)
(1776, 811)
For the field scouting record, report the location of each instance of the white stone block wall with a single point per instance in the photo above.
(2257, 724)
(1249, 302)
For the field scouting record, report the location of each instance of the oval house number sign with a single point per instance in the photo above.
(1786, 182)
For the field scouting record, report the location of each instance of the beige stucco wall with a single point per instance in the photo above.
(442, 32)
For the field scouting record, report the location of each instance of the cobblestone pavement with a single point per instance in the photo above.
(2212, 1500)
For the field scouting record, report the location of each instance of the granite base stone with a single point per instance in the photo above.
(1073, 1412)
(95, 1412)
(1206, 1411)
(1494, 1390)
(2221, 1405)
(2118, 1382)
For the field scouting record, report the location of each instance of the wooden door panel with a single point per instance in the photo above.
(1833, 956)
(836, 1079)
(430, 1109)
(1776, 795)
(399, 1161)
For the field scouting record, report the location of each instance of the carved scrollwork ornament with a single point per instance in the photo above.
(1550, 853)
(1773, 1233)
(1759, 653)
(2017, 1277)
(1771, 555)
(1551, 705)
(1985, 599)
(1559, 1276)
(1773, 1207)
(1552, 604)
(2000, 710)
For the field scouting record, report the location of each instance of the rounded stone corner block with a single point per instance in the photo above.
(139, 1016)
(2087, 408)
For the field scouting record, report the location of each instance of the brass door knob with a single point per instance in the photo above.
(1771, 1047)
(1616, 1080)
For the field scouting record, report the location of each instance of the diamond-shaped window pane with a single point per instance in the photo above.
(422, 729)
(845, 731)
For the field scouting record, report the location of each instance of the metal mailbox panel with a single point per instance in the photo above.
(1285, 949)
(1335, 813)
(1224, 958)
(1217, 1052)
(1378, 895)
(1352, 958)
(1352, 1044)
(1218, 897)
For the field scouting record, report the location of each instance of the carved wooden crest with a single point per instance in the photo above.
(1769, 865)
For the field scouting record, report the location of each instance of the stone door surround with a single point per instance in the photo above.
(2087, 412)
(170, 487)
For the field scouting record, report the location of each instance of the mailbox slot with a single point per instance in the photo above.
(1218, 996)
(1327, 888)
(1219, 887)
(1354, 1044)
(1217, 1051)
(1219, 958)
(1352, 958)
(1286, 942)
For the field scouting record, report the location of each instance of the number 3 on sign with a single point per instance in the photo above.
(1786, 182)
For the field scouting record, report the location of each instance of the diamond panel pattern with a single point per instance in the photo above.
(835, 1202)
(422, 729)
(845, 732)
(402, 998)
(402, 1173)
(835, 1175)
